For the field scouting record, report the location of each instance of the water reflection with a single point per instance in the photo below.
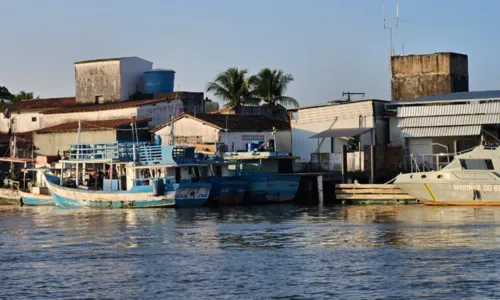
(287, 251)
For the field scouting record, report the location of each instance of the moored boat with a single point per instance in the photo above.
(135, 175)
(261, 174)
(471, 179)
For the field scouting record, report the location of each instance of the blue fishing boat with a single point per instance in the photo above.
(269, 175)
(262, 174)
(130, 175)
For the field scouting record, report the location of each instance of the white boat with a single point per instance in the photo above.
(472, 178)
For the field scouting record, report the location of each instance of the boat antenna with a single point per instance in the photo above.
(226, 134)
(171, 130)
(79, 131)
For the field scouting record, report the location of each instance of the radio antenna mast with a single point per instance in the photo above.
(391, 44)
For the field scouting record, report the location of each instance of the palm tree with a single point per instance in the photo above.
(270, 86)
(232, 87)
(22, 95)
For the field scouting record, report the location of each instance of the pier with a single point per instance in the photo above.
(372, 194)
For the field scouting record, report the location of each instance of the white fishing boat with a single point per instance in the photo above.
(471, 178)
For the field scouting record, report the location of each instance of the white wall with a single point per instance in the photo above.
(187, 127)
(131, 75)
(50, 143)
(420, 145)
(56, 119)
(240, 139)
(159, 112)
(204, 133)
(23, 122)
(4, 124)
(310, 121)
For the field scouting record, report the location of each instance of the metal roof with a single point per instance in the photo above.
(441, 131)
(340, 132)
(449, 120)
(461, 96)
(449, 110)
(331, 103)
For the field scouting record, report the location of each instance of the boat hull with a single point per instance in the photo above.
(78, 198)
(271, 188)
(36, 200)
(178, 195)
(448, 193)
(227, 191)
(191, 194)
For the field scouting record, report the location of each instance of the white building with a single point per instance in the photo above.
(211, 128)
(32, 115)
(321, 131)
(442, 124)
(51, 140)
(108, 80)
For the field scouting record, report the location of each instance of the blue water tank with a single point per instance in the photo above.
(159, 81)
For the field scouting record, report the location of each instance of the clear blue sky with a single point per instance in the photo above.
(327, 45)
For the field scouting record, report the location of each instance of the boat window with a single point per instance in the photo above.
(476, 164)
(440, 176)
(424, 176)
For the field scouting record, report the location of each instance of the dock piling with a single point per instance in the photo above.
(319, 179)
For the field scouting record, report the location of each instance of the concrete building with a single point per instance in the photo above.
(211, 128)
(319, 132)
(428, 126)
(109, 80)
(416, 76)
(51, 140)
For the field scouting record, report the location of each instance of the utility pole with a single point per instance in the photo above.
(349, 94)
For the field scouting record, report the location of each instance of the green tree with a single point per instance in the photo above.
(5, 94)
(270, 86)
(22, 95)
(233, 87)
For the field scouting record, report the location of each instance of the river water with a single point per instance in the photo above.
(259, 252)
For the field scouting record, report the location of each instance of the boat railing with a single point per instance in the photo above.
(427, 162)
(98, 151)
(142, 153)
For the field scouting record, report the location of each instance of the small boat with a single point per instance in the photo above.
(135, 177)
(38, 194)
(471, 179)
(32, 199)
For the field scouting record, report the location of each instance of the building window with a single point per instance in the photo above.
(33, 119)
(99, 99)
(252, 137)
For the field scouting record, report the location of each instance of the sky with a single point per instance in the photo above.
(329, 46)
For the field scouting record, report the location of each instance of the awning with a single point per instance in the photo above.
(340, 132)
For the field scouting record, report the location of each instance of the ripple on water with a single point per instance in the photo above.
(273, 251)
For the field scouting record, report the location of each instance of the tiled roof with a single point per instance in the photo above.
(223, 110)
(105, 106)
(42, 104)
(90, 125)
(234, 122)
